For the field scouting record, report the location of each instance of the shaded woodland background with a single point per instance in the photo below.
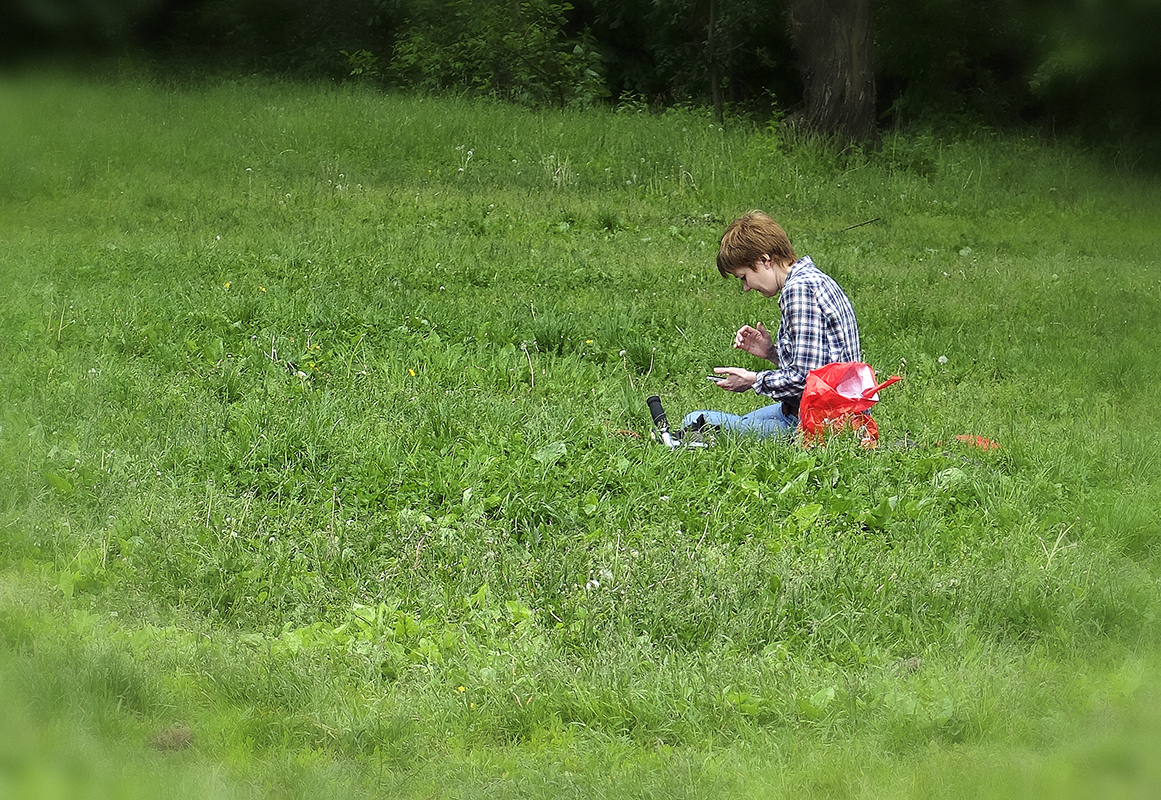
(1063, 67)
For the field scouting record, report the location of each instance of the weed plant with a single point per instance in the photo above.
(325, 441)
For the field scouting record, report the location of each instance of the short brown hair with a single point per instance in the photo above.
(749, 237)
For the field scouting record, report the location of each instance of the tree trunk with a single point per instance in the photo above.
(836, 57)
(714, 67)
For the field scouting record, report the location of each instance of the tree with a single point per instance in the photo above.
(834, 40)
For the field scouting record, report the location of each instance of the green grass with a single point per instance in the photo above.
(326, 449)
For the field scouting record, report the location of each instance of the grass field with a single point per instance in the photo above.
(328, 471)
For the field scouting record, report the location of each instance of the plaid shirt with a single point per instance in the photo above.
(818, 327)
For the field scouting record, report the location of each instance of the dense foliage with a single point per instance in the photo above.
(1073, 66)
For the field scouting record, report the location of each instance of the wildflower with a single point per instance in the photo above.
(942, 359)
(461, 689)
(411, 372)
(261, 288)
(227, 284)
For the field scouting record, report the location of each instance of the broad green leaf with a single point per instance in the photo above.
(550, 453)
(58, 482)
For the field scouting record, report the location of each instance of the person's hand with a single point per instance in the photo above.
(755, 341)
(735, 379)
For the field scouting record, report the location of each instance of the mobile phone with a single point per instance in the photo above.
(716, 378)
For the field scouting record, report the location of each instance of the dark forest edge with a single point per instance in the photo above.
(1068, 68)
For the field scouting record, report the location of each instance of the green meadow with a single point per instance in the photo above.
(327, 469)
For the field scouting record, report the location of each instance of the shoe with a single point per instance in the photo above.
(697, 434)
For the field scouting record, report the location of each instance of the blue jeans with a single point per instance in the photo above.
(766, 421)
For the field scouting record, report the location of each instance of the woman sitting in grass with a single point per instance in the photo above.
(818, 326)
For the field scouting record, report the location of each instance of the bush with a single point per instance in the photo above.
(519, 52)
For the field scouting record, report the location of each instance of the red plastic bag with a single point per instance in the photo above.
(837, 396)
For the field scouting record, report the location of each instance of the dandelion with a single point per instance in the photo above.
(227, 284)
(411, 372)
(262, 288)
(461, 689)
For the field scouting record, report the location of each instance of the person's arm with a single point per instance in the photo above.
(735, 379)
(756, 342)
(804, 324)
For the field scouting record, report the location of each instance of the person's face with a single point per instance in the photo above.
(766, 277)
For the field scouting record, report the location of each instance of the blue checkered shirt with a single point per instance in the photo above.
(818, 327)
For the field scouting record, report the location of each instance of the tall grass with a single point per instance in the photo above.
(326, 439)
